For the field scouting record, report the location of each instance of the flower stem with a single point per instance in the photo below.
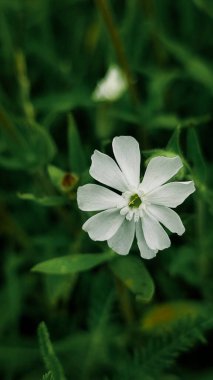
(201, 236)
(24, 85)
(106, 13)
(125, 302)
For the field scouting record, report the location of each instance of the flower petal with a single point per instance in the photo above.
(105, 170)
(169, 218)
(96, 198)
(112, 86)
(155, 236)
(145, 251)
(160, 170)
(122, 241)
(103, 225)
(127, 154)
(172, 194)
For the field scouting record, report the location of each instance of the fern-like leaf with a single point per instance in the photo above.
(50, 359)
(48, 376)
(161, 350)
(101, 329)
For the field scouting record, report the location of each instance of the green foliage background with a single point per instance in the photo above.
(108, 317)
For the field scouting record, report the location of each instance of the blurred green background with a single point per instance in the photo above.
(107, 317)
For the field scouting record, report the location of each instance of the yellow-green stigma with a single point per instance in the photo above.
(134, 201)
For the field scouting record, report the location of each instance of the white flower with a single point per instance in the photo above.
(111, 87)
(141, 207)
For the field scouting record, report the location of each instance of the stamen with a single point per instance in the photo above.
(129, 216)
(134, 201)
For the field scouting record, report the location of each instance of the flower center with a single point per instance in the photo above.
(134, 201)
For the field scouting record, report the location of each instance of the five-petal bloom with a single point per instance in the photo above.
(141, 208)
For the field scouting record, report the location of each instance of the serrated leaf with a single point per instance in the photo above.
(72, 263)
(161, 351)
(48, 376)
(48, 353)
(133, 273)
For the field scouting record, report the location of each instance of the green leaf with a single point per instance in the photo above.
(195, 66)
(185, 265)
(205, 5)
(123, 115)
(25, 145)
(72, 263)
(49, 201)
(63, 102)
(174, 142)
(195, 155)
(133, 273)
(76, 150)
(40, 143)
(50, 359)
(165, 121)
(59, 288)
(172, 121)
(208, 196)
